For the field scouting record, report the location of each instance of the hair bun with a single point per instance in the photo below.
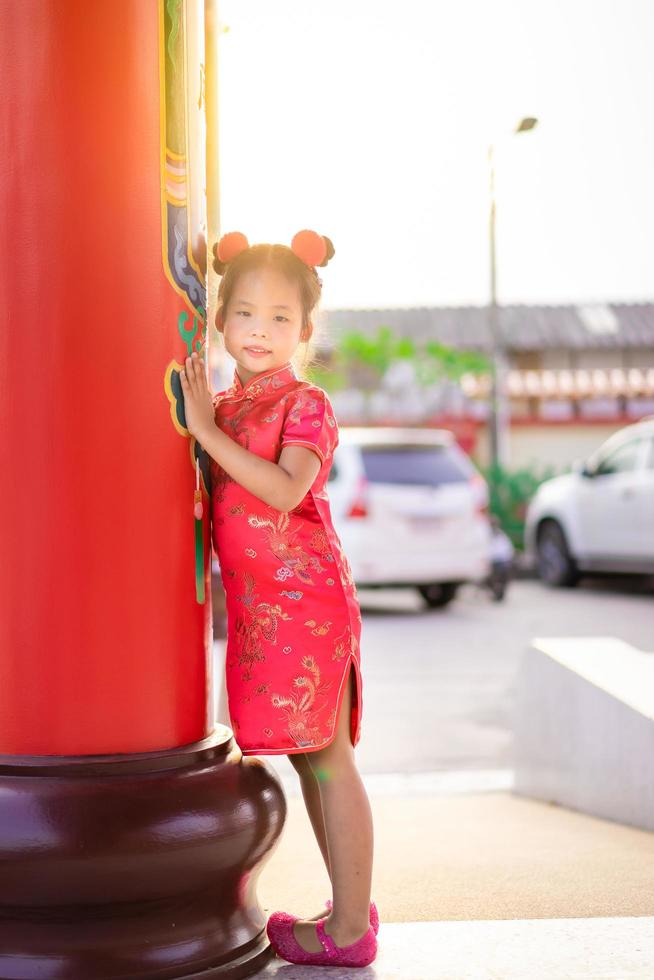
(227, 248)
(313, 249)
(330, 250)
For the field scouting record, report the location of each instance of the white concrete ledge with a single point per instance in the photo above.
(540, 949)
(584, 727)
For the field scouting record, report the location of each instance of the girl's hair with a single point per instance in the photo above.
(279, 257)
(282, 259)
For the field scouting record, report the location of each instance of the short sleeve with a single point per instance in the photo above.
(310, 422)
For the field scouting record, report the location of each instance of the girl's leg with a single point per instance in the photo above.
(348, 823)
(311, 794)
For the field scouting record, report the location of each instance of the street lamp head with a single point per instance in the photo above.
(529, 122)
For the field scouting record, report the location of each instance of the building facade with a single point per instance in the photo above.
(574, 374)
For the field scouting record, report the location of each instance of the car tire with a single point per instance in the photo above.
(556, 566)
(438, 594)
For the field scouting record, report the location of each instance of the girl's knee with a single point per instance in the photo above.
(335, 758)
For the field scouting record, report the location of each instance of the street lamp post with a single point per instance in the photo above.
(499, 406)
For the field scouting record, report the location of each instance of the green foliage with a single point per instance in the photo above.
(363, 360)
(510, 492)
(376, 352)
(329, 377)
(439, 362)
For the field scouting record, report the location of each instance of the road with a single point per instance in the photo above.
(438, 685)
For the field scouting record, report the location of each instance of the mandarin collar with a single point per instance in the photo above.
(261, 383)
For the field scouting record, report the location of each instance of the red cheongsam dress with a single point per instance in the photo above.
(293, 619)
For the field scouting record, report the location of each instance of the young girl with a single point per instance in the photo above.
(293, 663)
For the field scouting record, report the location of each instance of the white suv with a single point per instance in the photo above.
(410, 509)
(600, 517)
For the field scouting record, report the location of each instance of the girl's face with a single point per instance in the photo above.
(262, 326)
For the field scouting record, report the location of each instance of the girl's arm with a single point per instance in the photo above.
(282, 485)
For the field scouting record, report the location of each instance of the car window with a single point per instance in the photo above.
(622, 460)
(418, 465)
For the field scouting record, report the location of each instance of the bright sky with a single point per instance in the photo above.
(369, 120)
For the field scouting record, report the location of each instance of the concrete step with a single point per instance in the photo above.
(584, 727)
(527, 949)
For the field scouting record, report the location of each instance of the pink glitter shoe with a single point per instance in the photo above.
(287, 917)
(283, 941)
(374, 914)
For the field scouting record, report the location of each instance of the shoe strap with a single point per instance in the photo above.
(327, 942)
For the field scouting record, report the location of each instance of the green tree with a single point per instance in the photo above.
(510, 491)
(361, 361)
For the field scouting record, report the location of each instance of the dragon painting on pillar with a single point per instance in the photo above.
(183, 214)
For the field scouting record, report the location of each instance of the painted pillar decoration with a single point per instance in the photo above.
(183, 222)
(131, 828)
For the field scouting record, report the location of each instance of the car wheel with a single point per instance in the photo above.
(438, 593)
(556, 566)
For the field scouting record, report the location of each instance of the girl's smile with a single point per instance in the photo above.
(263, 324)
(257, 351)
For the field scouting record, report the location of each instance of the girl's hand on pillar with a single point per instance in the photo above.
(198, 401)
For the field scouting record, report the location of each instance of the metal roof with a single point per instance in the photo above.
(524, 327)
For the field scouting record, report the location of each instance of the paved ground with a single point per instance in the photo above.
(476, 856)
(472, 881)
(438, 684)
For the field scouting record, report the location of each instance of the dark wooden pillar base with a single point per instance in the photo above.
(135, 867)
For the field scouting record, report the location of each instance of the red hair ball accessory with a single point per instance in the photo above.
(310, 247)
(230, 245)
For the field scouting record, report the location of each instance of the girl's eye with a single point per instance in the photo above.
(280, 316)
(242, 312)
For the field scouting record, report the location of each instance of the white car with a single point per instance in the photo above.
(600, 517)
(410, 509)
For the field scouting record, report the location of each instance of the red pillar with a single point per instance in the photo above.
(103, 645)
(131, 831)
